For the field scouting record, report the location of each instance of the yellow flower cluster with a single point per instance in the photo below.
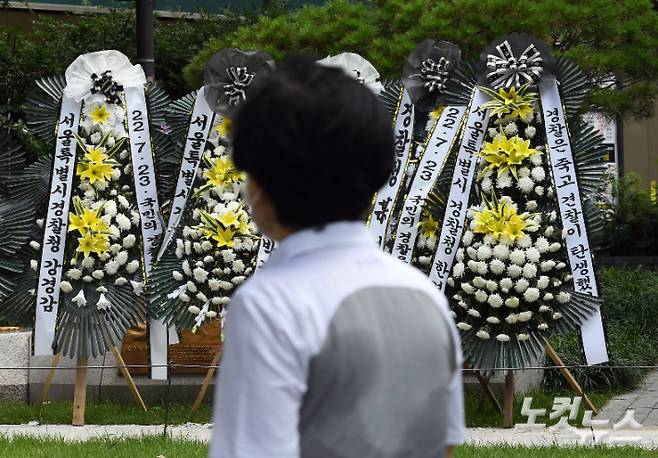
(94, 231)
(506, 153)
(429, 227)
(501, 221)
(222, 171)
(95, 166)
(511, 104)
(223, 228)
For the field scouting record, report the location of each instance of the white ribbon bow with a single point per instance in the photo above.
(79, 75)
(357, 67)
(506, 71)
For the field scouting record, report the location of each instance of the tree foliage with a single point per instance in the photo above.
(605, 38)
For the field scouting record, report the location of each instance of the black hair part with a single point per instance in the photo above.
(317, 141)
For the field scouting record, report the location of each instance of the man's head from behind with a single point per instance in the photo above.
(316, 145)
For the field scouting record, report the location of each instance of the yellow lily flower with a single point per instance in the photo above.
(229, 219)
(506, 154)
(429, 227)
(100, 114)
(97, 172)
(86, 244)
(500, 221)
(224, 127)
(511, 103)
(95, 155)
(101, 243)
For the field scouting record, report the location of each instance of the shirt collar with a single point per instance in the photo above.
(334, 235)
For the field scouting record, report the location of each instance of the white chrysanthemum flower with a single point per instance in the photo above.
(80, 300)
(531, 205)
(517, 257)
(555, 246)
(514, 271)
(120, 281)
(512, 318)
(484, 252)
(40, 223)
(431, 243)
(539, 190)
(467, 238)
(238, 280)
(482, 334)
(548, 297)
(216, 300)
(188, 247)
(486, 184)
(479, 282)
(458, 270)
(502, 338)
(543, 282)
(521, 285)
(506, 284)
(213, 284)
(501, 251)
(560, 266)
(497, 266)
(557, 315)
(34, 264)
(129, 241)
(530, 132)
(472, 266)
(197, 247)
(492, 285)
(191, 287)
(471, 252)
(524, 241)
(104, 257)
(206, 245)
(462, 304)
(492, 132)
(193, 309)
(538, 173)
(542, 326)
(522, 172)
(184, 297)
(474, 313)
(550, 230)
(112, 267)
(123, 221)
(533, 255)
(225, 285)
(132, 266)
(115, 248)
(134, 217)
(522, 337)
(495, 300)
(481, 296)
(493, 320)
(544, 309)
(504, 181)
(177, 275)
(110, 208)
(424, 260)
(468, 288)
(208, 259)
(122, 257)
(511, 129)
(35, 245)
(552, 216)
(227, 271)
(464, 326)
(211, 314)
(200, 275)
(563, 297)
(65, 287)
(542, 245)
(123, 202)
(525, 184)
(531, 295)
(529, 271)
(202, 297)
(482, 267)
(546, 266)
(228, 256)
(87, 262)
(568, 277)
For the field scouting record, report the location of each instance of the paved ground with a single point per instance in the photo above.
(643, 401)
(645, 437)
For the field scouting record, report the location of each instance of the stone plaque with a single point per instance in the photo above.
(195, 348)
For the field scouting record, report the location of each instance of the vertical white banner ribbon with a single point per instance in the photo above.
(437, 148)
(460, 190)
(267, 246)
(387, 196)
(197, 136)
(571, 213)
(146, 194)
(55, 228)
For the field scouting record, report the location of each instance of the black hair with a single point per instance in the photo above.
(317, 141)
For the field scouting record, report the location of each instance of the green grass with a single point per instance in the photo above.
(107, 413)
(489, 417)
(153, 447)
(104, 413)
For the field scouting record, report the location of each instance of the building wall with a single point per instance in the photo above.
(640, 147)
